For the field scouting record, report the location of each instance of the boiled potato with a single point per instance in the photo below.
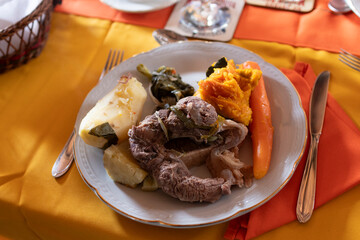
(121, 166)
(149, 184)
(110, 119)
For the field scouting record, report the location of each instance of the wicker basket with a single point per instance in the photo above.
(30, 33)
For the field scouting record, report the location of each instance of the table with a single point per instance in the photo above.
(39, 102)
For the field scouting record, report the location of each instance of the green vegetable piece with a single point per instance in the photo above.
(189, 123)
(219, 64)
(214, 128)
(105, 130)
(166, 85)
(162, 125)
(144, 70)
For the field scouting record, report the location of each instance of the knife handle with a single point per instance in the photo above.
(306, 198)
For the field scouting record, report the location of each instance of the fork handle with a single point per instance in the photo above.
(66, 157)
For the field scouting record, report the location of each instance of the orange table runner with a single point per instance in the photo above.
(337, 169)
(320, 29)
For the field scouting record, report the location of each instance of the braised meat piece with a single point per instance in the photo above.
(196, 123)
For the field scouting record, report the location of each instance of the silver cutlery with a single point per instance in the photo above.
(338, 6)
(164, 36)
(349, 59)
(306, 198)
(66, 157)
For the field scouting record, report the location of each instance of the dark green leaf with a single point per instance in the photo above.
(219, 64)
(166, 85)
(105, 130)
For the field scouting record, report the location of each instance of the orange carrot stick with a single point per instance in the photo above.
(260, 127)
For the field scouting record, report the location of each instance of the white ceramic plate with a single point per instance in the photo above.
(138, 6)
(354, 6)
(191, 60)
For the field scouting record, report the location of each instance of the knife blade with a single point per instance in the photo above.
(318, 99)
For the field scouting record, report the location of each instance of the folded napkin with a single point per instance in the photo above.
(337, 170)
(298, 29)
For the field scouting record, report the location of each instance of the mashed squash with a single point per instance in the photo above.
(228, 89)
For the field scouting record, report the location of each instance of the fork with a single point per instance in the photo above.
(66, 157)
(110, 60)
(349, 59)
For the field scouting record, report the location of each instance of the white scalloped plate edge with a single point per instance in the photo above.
(161, 210)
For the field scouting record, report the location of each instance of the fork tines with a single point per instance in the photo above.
(117, 53)
(112, 56)
(349, 59)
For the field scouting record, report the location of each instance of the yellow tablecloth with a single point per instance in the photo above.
(38, 106)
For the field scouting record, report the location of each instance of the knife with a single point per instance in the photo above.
(306, 198)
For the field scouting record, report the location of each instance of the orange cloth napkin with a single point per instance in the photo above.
(338, 167)
(319, 29)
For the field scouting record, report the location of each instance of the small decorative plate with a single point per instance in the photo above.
(138, 6)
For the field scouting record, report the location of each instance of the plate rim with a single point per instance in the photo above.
(157, 222)
(149, 9)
